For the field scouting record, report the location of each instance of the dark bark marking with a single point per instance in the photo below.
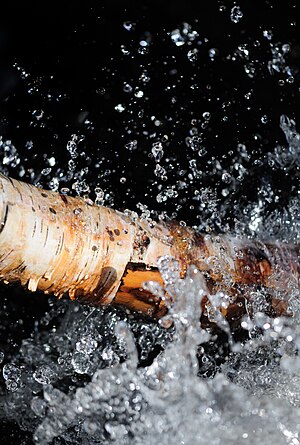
(2, 225)
(34, 229)
(46, 238)
(64, 199)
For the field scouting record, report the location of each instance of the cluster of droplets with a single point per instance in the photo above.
(10, 157)
(174, 184)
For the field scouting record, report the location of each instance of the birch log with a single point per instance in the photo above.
(59, 244)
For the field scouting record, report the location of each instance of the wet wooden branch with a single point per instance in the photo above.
(60, 244)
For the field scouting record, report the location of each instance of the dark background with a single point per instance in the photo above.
(61, 63)
(62, 72)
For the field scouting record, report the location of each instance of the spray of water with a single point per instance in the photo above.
(80, 377)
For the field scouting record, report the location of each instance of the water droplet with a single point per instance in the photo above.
(206, 115)
(286, 48)
(212, 53)
(202, 151)
(192, 55)
(131, 145)
(226, 177)
(46, 171)
(51, 161)
(129, 26)
(157, 151)
(120, 108)
(268, 34)
(250, 69)
(138, 93)
(236, 14)
(160, 172)
(127, 88)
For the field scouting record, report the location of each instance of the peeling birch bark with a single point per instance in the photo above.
(63, 245)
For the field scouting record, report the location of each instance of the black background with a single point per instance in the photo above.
(71, 59)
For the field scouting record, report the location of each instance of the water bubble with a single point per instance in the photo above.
(264, 119)
(236, 14)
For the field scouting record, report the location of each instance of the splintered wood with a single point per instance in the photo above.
(60, 244)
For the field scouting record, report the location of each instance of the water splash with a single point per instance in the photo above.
(104, 396)
(84, 375)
